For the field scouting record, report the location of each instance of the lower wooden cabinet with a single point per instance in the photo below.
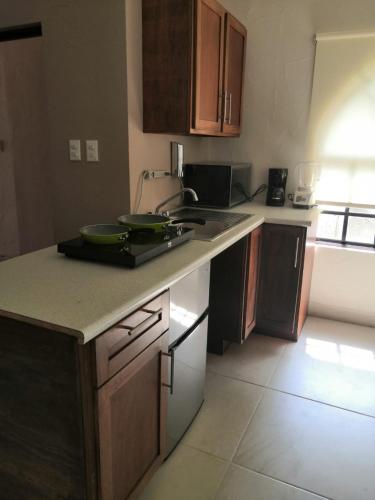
(284, 280)
(132, 415)
(233, 291)
(83, 422)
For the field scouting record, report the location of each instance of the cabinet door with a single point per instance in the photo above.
(132, 422)
(235, 51)
(210, 25)
(280, 278)
(252, 280)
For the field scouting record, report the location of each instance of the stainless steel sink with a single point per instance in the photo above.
(217, 223)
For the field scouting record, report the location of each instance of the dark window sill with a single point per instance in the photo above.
(345, 246)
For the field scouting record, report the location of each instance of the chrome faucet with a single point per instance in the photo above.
(170, 198)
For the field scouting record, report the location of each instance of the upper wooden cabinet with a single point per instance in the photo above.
(193, 68)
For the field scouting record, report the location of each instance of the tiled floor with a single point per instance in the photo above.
(282, 421)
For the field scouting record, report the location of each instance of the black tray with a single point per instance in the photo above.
(139, 248)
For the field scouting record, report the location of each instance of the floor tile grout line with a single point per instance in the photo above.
(230, 462)
(217, 490)
(281, 481)
(247, 425)
(204, 451)
(211, 455)
(276, 365)
(273, 389)
(320, 402)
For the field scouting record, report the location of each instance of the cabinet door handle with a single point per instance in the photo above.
(225, 106)
(171, 384)
(296, 255)
(230, 108)
(220, 104)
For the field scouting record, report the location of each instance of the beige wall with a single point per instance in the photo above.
(85, 80)
(279, 69)
(94, 88)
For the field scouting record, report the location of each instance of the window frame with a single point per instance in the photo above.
(347, 214)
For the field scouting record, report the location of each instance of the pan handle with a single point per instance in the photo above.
(194, 220)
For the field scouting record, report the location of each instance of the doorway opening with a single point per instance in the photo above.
(25, 178)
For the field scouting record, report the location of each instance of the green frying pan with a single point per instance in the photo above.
(155, 222)
(104, 234)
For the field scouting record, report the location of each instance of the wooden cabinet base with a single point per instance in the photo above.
(65, 437)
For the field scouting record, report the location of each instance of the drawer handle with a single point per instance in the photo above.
(296, 255)
(134, 330)
(171, 356)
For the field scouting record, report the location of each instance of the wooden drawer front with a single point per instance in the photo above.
(116, 347)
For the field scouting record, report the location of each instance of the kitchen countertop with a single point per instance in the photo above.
(84, 298)
(280, 215)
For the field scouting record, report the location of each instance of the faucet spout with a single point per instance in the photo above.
(170, 198)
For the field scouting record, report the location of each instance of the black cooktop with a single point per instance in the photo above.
(137, 249)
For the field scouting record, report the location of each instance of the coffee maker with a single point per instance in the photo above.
(276, 186)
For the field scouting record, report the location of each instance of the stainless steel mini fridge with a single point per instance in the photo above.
(187, 351)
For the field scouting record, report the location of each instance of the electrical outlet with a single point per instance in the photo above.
(155, 174)
(92, 150)
(74, 150)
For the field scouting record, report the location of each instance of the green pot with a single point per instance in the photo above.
(105, 234)
(145, 221)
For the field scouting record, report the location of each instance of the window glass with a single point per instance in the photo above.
(370, 211)
(361, 230)
(330, 226)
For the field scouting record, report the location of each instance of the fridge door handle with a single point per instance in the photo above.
(171, 356)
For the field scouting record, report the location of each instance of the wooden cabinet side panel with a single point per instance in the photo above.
(167, 42)
(308, 264)
(255, 238)
(41, 435)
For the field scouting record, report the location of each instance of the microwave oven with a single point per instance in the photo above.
(218, 185)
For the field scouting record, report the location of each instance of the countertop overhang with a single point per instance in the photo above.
(84, 299)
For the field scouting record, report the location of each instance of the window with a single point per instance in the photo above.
(347, 225)
(342, 137)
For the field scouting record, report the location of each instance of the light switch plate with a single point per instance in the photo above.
(92, 150)
(74, 150)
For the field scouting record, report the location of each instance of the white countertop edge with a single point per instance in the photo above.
(45, 324)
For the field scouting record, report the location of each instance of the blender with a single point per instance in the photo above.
(307, 173)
